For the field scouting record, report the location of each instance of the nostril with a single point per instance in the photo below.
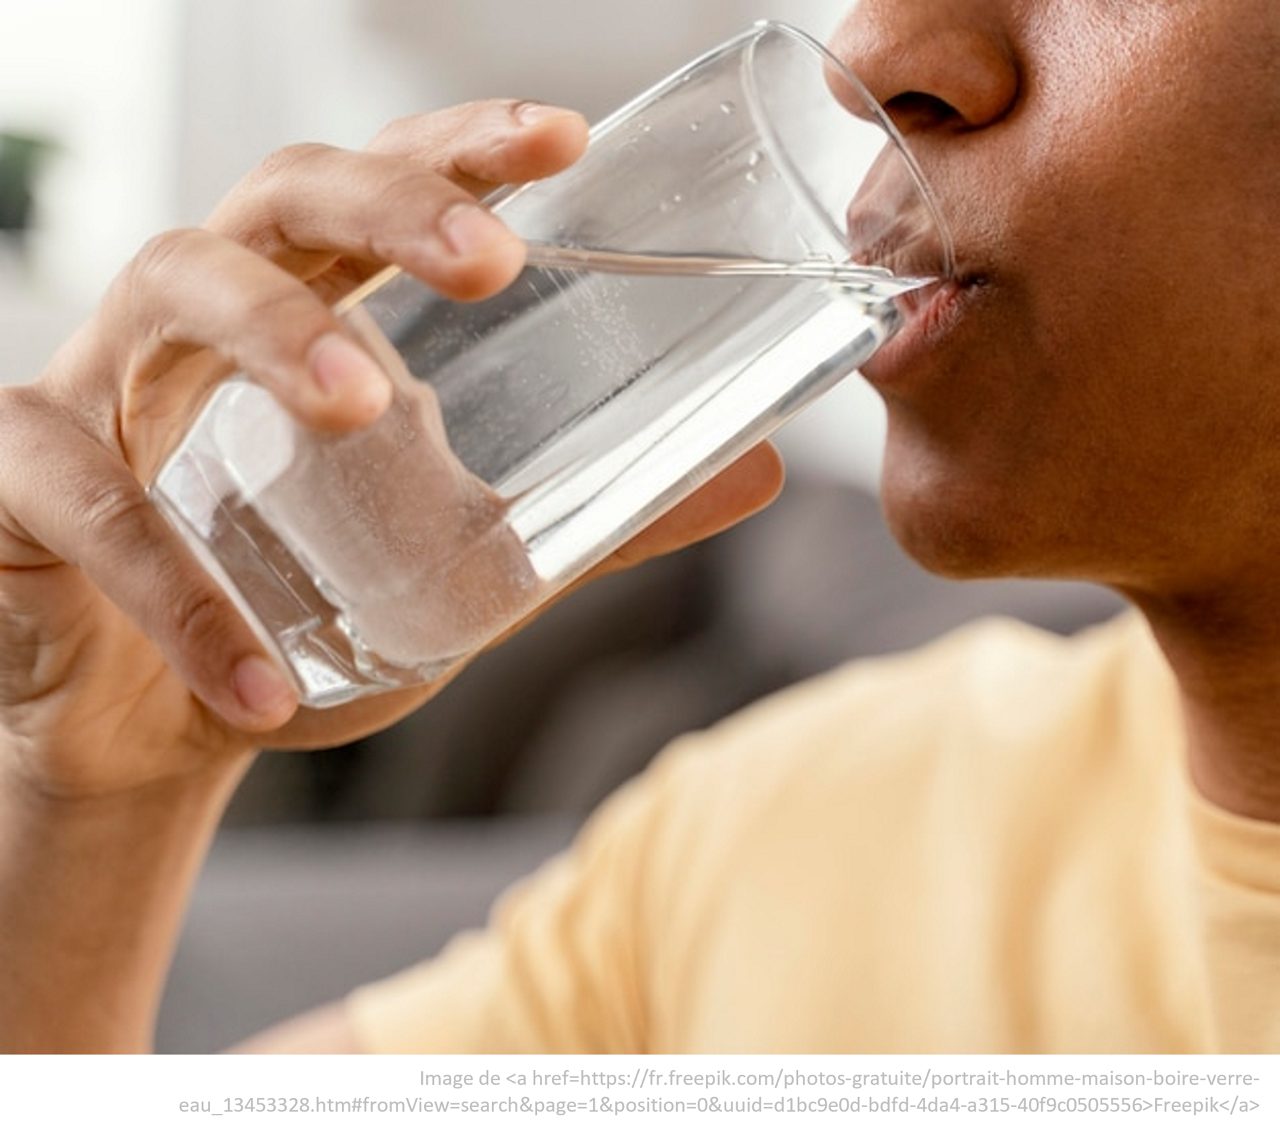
(914, 110)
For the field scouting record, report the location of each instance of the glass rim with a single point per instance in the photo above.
(758, 31)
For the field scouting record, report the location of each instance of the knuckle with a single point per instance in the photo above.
(500, 109)
(473, 123)
(251, 212)
(282, 306)
(115, 514)
(122, 523)
(138, 297)
(400, 133)
(21, 405)
(279, 326)
(287, 162)
(436, 135)
(159, 257)
(252, 215)
(200, 620)
(414, 195)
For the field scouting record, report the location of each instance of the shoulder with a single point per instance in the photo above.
(995, 707)
(997, 677)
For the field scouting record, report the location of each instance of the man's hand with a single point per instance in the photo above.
(122, 663)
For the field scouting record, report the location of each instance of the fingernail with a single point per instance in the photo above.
(531, 113)
(261, 689)
(341, 368)
(470, 229)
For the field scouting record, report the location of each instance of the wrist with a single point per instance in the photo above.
(92, 891)
(41, 783)
(73, 745)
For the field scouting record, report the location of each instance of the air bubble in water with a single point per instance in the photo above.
(695, 126)
(751, 177)
(753, 158)
(727, 107)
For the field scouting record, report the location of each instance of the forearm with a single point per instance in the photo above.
(92, 894)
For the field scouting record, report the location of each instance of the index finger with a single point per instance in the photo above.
(476, 146)
(480, 145)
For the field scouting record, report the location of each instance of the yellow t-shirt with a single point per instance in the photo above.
(989, 845)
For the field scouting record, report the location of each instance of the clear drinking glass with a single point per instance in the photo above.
(729, 247)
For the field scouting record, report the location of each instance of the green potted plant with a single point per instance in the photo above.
(21, 156)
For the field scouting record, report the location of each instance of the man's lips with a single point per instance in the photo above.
(892, 223)
(931, 316)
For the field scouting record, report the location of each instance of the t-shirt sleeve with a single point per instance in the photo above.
(560, 966)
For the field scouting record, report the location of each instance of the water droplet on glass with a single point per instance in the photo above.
(753, 158)
(677, 199)
(646, 128)
(752, 179)
(695, 126)
(727, 107)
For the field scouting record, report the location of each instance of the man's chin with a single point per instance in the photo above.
(956, 529)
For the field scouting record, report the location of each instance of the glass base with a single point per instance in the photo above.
(274, 592)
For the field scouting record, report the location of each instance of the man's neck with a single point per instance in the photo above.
(1225, 655)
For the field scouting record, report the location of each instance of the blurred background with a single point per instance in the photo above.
(120, 118)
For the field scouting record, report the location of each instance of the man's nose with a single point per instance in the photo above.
(932, 64)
